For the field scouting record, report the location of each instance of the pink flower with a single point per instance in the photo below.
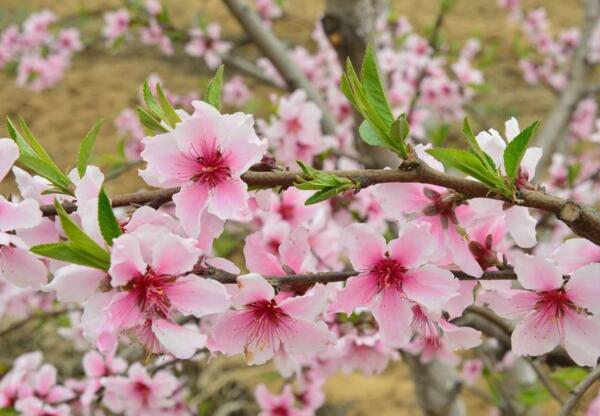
(9, 153)
(235, 92)
(392, 276)
(368, 354)
(207, 44)
(262, 326)
(277, 405)
(206, 154)
(471, 370)
(153, 283)
(551, 312)
(575, 253)
(139, 393)
(116, 24)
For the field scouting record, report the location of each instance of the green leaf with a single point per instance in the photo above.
(399, 132)
(170, 115)
(24, 148)
(78, 238)
(151, 102)
(36, 146)
(573, 172)
(326, 184)
(485, 159)
(514, 152)
(85, 149)
(439, 134)
(109, 226)
(46, 171)
(468, 163)
(213, 91)
(8, 411)
(370, 136)
(371, 82)
(67, 251)
(534, 395)
(569, 375)
(149, 121)
(321, 196)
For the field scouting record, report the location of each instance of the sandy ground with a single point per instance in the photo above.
(101, 85)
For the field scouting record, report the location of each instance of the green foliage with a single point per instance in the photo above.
(515, 150)
(568, 377)
(34, 157)
(109, 226)
(158, 109)
(326, 184)
(213, 91)
(86, 146)
(367, 96)
(573, 172)
(79, 248)
(534, 395)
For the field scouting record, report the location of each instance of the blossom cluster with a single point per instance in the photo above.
(38, 53)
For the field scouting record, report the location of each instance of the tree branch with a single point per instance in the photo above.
(579, 390)
(583, 220)
(274, 49)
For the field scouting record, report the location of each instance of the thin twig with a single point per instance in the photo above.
(579, 390)
(546, 381)
(35, 317)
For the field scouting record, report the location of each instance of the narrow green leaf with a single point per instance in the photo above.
(24, 148)
(40, 167)
(474, 145)
(78, 238)
(514, 152)
(371, 81)
(68, 252)
(85, 149)
(321, 196)
(370, 136)
(149, 121)
(213, 91)
(109, 226)
(399, 132)
(151, 102)
(35, 145)
(170, 115)
(469, 164)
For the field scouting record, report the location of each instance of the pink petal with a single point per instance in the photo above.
(461, 255)
(9, 153)
(430, 286)
(252, 288)
(231, 333)
(535, 335)
(178, 340)
(575, 253)
(75, 283)
(305, 339)
(239, 141)
(173, 255)
(491, 143)
(510, 304)
(536, 273)
(198, 131)
(583, 289)
(126, 260)
(359, 291)
(24, 214)
(530, 160)
(264, 398)
(394, 316)
(166, 162)
(190, 202)
(295, 249)
(229, 199)
(123, 311)
(399, 198)
(365, 246)
(21, 268)
(521, 226)
(45, 379)
(193, 295)
(414, 245)
(93, 364)
(258, 260)
(460, 336)
(457, 304)
(582, 338)
(308, 306)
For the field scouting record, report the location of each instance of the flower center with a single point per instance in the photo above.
(293, 125)
(213, 168)
(267, 311)
(554, 303)
(389, 273)
(149, 289)
(286, 211)
(142, 390)
(279, 411)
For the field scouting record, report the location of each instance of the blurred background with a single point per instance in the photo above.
(100, 84)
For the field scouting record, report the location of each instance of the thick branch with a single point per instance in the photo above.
(274, 49)
(583, 220)
(579, 391)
